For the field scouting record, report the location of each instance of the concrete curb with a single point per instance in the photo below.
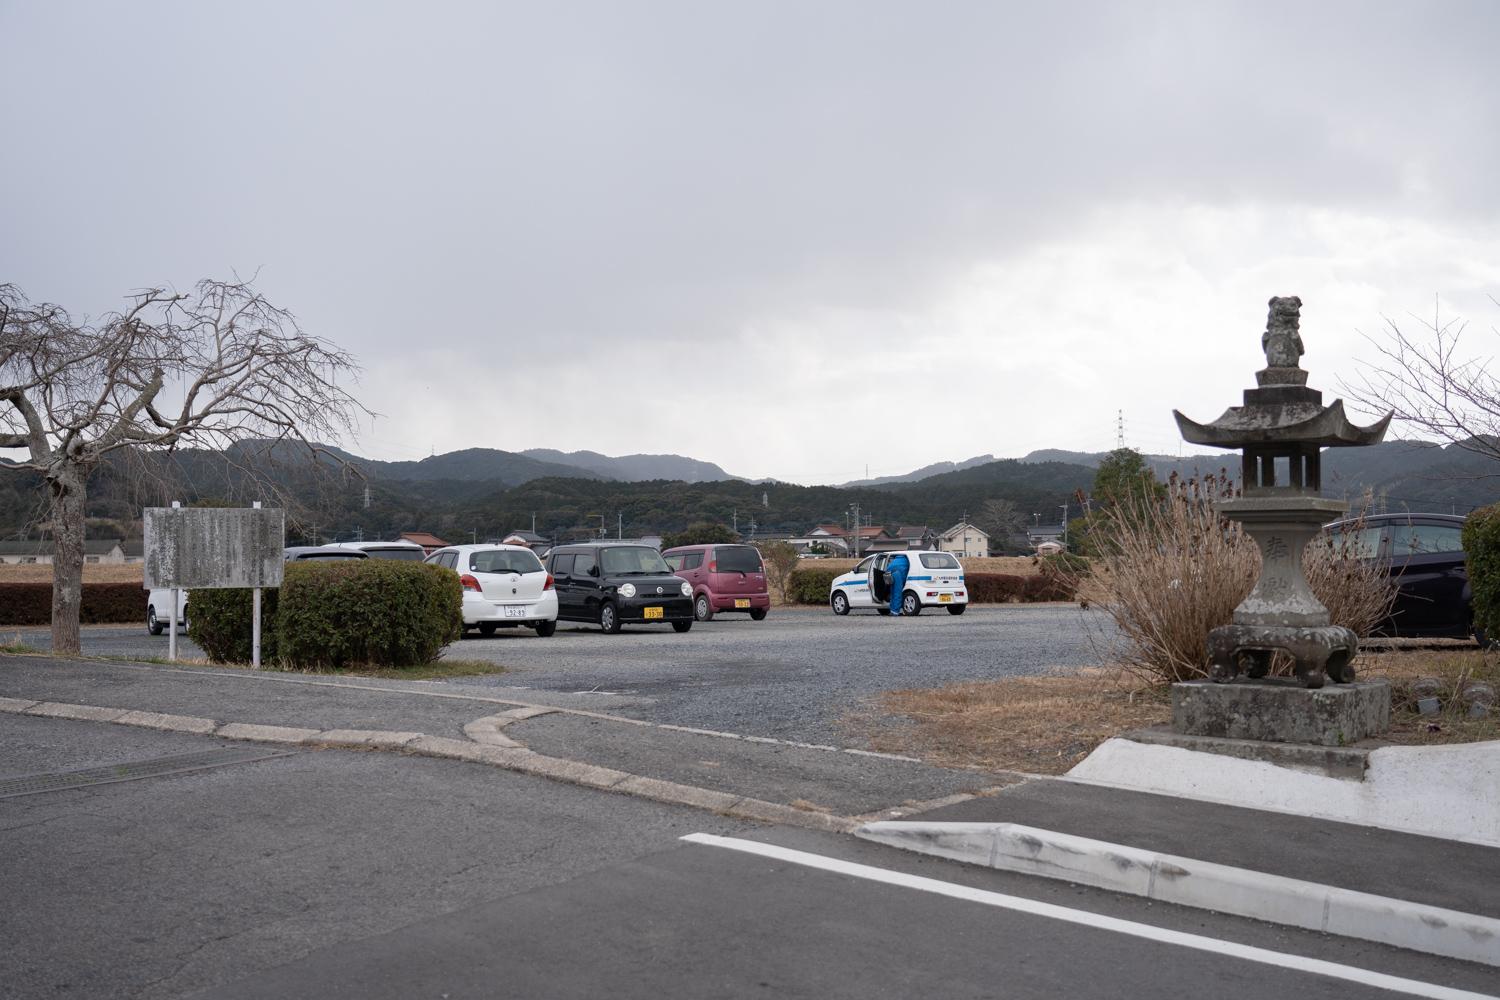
(496, 751)
(1201, 884)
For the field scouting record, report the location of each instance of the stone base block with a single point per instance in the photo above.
(1282, 711)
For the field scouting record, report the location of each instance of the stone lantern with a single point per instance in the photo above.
(1282, 428)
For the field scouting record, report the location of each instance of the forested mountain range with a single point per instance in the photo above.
(488, 492)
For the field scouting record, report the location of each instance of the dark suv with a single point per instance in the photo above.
(613, 585)
(1424, 554)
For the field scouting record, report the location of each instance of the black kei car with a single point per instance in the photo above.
(1425, 556)
(615, 584)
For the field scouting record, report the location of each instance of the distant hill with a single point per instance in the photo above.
(474, 465)
(926, 471)
(634, 468)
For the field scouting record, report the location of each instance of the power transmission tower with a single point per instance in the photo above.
(1119, 429)
(367, 497)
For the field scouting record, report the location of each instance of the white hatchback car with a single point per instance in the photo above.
(935, 579)
(504, 586)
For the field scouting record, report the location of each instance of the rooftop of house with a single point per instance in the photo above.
(423, 538)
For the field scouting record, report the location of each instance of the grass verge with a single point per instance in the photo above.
(1046, 724)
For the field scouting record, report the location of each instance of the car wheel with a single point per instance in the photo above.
(609, 619)
(487, 628)
(681, 626)
(840, 603)
(911, 604)
(956, 609)
(757, 614)
(703, 609)
(153, 625)
(544, 629)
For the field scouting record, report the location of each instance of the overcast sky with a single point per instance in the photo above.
(736, 231)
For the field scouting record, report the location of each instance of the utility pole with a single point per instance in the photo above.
(855, 505)
(619, 525)
(736, 520)
(1064, 509)
(533, 522)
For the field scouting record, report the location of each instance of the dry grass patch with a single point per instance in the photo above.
(92, 573)
(1448, 671)
(1043, 724)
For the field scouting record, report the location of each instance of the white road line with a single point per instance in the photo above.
(1298, 963)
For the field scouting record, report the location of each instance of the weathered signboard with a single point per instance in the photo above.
(193, 548)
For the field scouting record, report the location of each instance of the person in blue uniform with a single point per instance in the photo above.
(898, 567)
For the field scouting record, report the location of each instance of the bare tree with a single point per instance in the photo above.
(781, 559)
(1425, 380)
(216, 367)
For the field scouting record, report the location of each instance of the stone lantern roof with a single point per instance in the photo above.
(1282, 417)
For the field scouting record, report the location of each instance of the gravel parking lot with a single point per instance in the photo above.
(792, 676)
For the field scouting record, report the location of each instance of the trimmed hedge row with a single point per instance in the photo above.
(337, 614)
(1481, 541)
(811, 586)
(30, 603)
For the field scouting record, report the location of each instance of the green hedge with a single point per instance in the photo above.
(368, 611)
(1481, 541)
(220, 621)
(30, 603)
(336, 614)
(811, 586)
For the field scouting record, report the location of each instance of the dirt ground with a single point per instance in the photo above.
(1045, 725)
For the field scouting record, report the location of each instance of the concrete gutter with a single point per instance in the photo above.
(1200, 884)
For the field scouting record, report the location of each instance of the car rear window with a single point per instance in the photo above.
(938, 560)
(1425, 539)
(504, 561)
(403, 553)
(737, 559)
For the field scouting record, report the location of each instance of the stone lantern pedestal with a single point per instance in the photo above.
(1282, 428)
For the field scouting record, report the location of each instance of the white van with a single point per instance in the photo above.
(935, 579)
(159, 611)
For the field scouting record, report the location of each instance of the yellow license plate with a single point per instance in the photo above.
(653, 612)
(742, 602)
(945, 598)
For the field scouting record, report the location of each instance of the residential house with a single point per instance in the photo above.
(430, 543)
(1046, 534)
(965, 541)
(901, 538)
(106, 551)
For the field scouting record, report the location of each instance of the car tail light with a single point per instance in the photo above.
(470, 583)
(548, 584)
(932, 593)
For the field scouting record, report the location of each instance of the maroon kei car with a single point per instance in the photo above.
(723, 577)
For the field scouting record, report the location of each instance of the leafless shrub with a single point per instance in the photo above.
(1357, 592)
(1172, 571)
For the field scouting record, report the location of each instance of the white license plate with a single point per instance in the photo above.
(742, 602)
(515, 612)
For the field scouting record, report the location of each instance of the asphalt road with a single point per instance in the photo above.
(793, 676)
(334, 873)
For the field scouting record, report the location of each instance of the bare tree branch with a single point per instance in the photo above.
(1431, 385)
(220, 367)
